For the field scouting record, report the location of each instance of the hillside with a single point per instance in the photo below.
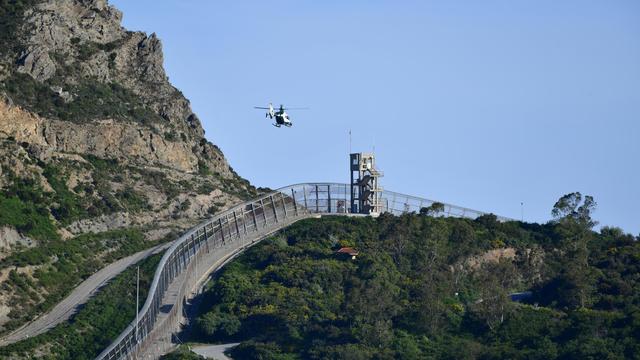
(424, 287)
(100, 156)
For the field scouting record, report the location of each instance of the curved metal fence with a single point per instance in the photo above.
(249, 221)
(334, 198)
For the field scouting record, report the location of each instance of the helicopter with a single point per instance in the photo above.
(281, 116)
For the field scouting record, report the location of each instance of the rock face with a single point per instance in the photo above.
(76, 88)
(68, 43)
(93, 137)
(37, 63)
(9, 238)
(103, 138)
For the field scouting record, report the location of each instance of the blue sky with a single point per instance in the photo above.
(484, 104)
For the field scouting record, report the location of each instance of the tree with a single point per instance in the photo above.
(495, 280)
(462, 238)
(573, 218)
(433, 289)
(433, 209)
(397, 238)
(254, 350)
(216, 323)
(571, 208)
(182, 353)
(372, 299)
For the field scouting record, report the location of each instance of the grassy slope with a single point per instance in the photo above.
(98, 323)
(62, 265)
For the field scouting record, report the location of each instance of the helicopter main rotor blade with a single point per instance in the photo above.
(298, 108)
(262, 108)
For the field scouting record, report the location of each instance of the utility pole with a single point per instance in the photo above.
(521, 211)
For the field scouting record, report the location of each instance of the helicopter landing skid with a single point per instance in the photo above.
(276, 125)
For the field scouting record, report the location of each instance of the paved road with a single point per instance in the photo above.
(78, 296)
(213, 351)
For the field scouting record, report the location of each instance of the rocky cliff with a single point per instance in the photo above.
(93, 137)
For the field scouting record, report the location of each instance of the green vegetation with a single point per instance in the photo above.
(11, 14)
(62, 265)
(27, 207)
(425, 287)
(96, 325)
(205, 188)
(237, 186)
(171, 135)
(23, 205)
(182, 353)
(86, 49)
(160, 181)
(203, 168)
(132, 200)
(104, 172)
(68, 207)
(92, 100)
(27, 218)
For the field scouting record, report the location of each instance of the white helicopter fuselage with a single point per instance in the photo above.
(280, 115)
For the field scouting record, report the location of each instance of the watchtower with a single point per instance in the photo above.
(365, 189)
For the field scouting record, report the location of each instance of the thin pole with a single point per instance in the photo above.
(137, 302)
(521, 211)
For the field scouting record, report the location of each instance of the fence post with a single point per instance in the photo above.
(295, 203)
(255, 220)
(264, 213)
(235, 219)
(273, 205)
(221, 230)
(304, 192)
(284, 205)
(226, 220)
(244, 221)
(206, 238)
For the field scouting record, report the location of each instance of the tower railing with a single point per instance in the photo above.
(234, 229)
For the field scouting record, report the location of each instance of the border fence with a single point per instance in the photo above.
(236, 229)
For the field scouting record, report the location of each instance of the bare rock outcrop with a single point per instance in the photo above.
(10, 238)
(129, 143)
(37, 63)
(71, 42)
(77, 90)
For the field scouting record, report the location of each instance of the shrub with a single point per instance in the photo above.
(23, 206)
(70, 207)
(132, 200)
(93, 100)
